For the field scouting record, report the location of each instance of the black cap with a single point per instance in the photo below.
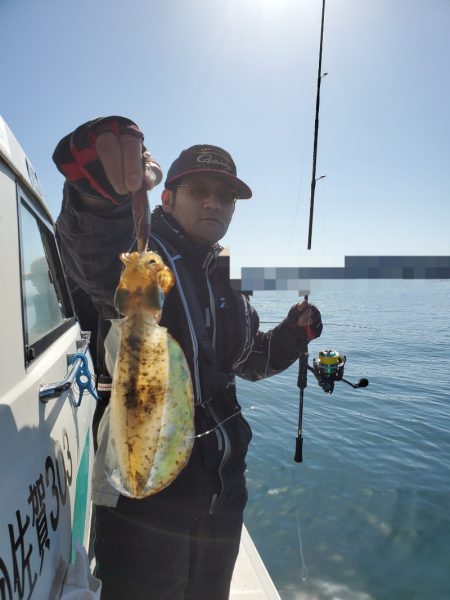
(205, 158)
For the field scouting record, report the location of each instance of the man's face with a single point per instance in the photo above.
(203, 206)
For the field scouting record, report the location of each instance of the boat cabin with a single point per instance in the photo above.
(46, 446)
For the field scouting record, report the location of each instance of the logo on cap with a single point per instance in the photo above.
(210, 160)
(206, 158)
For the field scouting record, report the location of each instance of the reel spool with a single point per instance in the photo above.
(328, 368)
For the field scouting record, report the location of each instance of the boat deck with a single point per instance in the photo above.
(251, 581)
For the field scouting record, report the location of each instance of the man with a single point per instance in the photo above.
(181, 543)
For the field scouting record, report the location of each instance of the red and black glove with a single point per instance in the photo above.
(313, 327)
(76, 158)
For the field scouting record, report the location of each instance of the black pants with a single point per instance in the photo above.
(165, 556)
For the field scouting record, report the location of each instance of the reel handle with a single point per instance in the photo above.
(361, 383)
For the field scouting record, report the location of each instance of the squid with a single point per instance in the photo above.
(151, 420)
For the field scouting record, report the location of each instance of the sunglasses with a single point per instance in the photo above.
(201, 191)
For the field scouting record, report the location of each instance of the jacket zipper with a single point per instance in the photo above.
(248, 342)
(172, 259)
(212, 412)
(222, 435)
(225, 456)
(212, 303)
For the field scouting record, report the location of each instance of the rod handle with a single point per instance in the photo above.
(298, 457)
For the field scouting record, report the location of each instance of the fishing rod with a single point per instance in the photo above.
(320, 75)
(328, 368)
(303, 356)
(302, 382)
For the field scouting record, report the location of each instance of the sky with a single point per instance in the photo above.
(242, 74)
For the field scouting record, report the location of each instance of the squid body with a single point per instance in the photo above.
(151, 422)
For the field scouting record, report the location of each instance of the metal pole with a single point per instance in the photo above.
(316, 132)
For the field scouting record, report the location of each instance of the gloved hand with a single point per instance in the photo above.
(305, 318)
(106, 158)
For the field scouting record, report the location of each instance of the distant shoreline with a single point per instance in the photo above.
(356, 267)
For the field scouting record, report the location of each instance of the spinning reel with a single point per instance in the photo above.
(327, 368)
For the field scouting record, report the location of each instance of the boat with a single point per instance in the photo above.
(251, 580)
(46, 448)
(46, 407)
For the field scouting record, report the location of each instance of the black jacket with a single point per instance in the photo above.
(90, 242)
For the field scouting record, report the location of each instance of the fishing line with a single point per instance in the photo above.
(353, 326)
(304, 568)
(311, 99)
(297, 206)
(287, 467)
(328, 324)
(269, 335)
(199, 435)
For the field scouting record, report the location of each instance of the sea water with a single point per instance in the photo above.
(365, 516)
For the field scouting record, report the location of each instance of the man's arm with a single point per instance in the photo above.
(103, 161)
(276, 350)
(90, 242)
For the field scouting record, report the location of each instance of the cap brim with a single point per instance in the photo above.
(242, 188)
